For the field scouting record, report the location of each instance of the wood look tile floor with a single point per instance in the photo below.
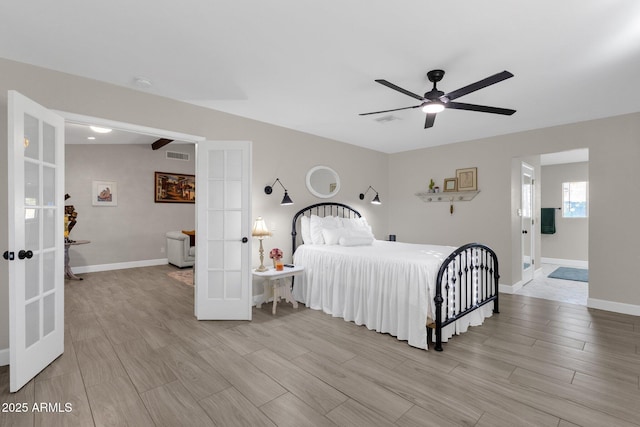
(136, 356)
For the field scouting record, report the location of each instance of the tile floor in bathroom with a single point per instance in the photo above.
(568, 291)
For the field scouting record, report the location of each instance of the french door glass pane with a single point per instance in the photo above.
(49, 143)
(49, 228)
(32, 323)
(216, 254)
(233, 255)
(31, 184)
(48, 271)
(48, 314)
(233, 284)
(215, 284)
(31, 278)
(48, 186)
(216, 164)
(234, 165)
(31, 228)
(31, 137)
(216, 195)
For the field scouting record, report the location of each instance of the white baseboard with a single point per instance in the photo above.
(510, 289)
(4, 357)
(568, 262)
(119, 265)
(616, 307)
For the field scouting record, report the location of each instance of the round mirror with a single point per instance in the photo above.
(323, 182)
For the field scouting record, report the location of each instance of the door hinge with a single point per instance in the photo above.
(10, 256)
(533, 262)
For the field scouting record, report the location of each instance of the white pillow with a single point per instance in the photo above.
(356, 223)
(305, 230)
(318, 223)
(355, 241)
(332, 235)
(356, 237)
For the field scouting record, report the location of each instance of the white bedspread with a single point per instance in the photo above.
(388, 286)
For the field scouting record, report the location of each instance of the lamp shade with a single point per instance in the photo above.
(260, 228)
(376, 200)
(286, 200)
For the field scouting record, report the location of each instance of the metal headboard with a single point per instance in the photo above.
(321, 209)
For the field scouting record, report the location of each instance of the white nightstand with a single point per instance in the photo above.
(276, 286)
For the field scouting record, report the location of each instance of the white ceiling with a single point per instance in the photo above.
(310, 65)
(562, 157)
(75, 133)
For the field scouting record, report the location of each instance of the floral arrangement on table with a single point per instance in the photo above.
(276, 255)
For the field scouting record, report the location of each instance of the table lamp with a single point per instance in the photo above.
(260, 231)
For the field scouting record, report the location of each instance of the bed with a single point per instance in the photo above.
(417, 293)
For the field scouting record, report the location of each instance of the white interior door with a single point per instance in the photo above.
(528, 230)
(223, 230)
(36, 238)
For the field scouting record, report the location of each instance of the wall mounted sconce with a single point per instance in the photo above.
(286, 200)
(376, 200)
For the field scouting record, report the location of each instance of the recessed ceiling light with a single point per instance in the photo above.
(98, 129)
(91, 137)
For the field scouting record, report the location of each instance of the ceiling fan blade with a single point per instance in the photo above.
(496, 78)
(480, 108)
(387, 111)
(399, 89)
(431, 117)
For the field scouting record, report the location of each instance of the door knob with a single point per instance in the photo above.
(524, 231)
(245, 240)
(25, 254)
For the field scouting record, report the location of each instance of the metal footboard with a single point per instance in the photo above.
(467, 280)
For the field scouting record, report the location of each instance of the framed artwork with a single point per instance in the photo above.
(467, 179)
(174, 188)
(104, 193)
(451, 184)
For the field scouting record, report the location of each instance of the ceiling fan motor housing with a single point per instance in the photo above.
(435, 75)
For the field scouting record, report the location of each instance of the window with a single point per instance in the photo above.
(574, 199)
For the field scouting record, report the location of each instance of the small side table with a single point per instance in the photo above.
(68, 273)
(274, 281)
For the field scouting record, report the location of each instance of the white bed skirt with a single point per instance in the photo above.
(387, 287)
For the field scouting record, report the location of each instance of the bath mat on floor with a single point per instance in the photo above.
(569, 273)
(184, 276)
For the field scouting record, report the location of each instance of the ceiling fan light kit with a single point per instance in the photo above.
(433, 107)
(435, 100)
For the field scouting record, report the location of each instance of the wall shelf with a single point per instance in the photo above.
(447, 196)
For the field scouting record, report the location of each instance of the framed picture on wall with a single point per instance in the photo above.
(104, 193)
(175, 188)
(467, 179)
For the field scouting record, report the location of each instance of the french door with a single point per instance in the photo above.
(223, 230)
(528, 229)
(36, 238)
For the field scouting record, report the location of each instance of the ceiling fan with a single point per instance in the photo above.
(436, 101)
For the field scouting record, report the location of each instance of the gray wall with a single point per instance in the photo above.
(134, 230)
(571, 240)
(277, 153)
(614, 150)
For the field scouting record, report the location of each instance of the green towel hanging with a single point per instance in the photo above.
(548, 220)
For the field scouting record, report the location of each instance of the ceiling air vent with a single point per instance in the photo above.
(386, 119)
(177, 156)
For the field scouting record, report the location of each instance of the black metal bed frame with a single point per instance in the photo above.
(467, 278)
